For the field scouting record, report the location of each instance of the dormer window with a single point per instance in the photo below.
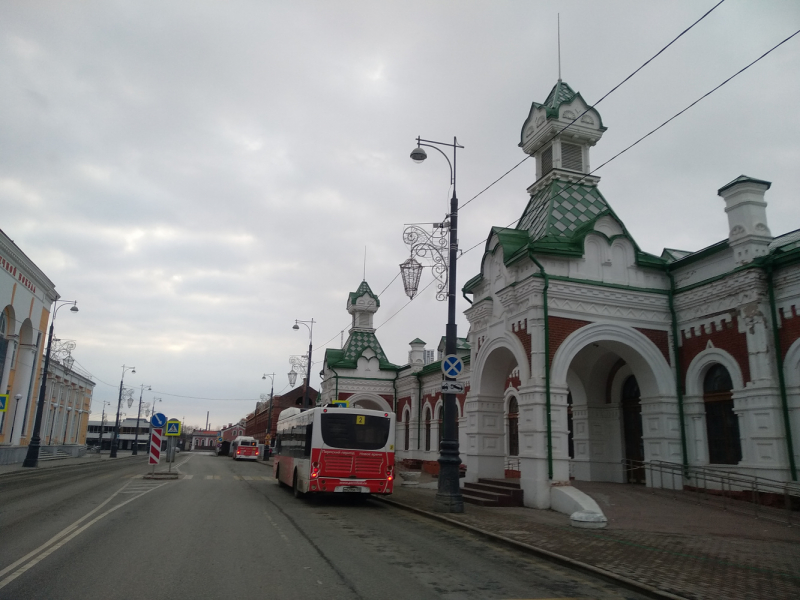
(571, 157)
(547, 160)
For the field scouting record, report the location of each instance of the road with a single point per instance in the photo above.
(227, 529)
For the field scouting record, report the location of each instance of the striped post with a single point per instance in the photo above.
(155, 445)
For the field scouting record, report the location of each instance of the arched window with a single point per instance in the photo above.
(722, 424)
(427, 429)
(513, 427)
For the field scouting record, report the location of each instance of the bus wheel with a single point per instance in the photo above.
(297, 492)
(278, 477)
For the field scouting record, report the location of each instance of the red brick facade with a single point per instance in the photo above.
(520, 329)
(725, 337)
(560, 329)
(659, 338)
(790, 328)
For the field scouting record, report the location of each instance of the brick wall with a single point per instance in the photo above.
(724, 334)
(659, 338)
(520, 329)
(560, 329)
(789, 331)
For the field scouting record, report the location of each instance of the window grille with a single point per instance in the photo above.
(547, 160)
(571, 157)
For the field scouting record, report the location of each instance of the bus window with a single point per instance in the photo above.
(359, 432)
(307, 449)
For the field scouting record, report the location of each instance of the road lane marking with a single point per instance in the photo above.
(188, 476)
(66, 535)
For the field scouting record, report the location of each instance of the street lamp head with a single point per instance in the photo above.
(263, 377)
(74, 308)
(418, 154)
(295, 326)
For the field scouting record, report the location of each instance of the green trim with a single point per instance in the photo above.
(362, 290)
(700, 254)
(781, 380)
(676, 350)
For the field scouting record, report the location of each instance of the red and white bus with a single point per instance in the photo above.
(332, 449)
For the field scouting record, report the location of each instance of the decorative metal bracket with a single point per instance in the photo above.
(433, 248)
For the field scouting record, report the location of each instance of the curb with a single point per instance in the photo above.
(553, 557)
(90, 463)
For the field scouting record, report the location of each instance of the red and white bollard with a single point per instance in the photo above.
(155, 446)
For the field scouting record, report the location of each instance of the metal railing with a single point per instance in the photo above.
(512, 463)
(762, 497)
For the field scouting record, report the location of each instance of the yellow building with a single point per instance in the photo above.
(26, 298)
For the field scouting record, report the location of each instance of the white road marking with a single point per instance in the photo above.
(188, 476)
(66, 535)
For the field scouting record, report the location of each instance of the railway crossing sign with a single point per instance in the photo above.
(158, 420)
(173, 427)
(452, 366)
(4, 403)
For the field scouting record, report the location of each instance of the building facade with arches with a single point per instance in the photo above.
(26, 299)
(620, 357)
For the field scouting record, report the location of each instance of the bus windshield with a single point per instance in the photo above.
(357, 432)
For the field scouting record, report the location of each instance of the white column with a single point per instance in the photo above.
(22, 386)
(485, 451)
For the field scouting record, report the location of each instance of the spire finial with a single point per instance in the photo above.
(365, 264)
(559, 46)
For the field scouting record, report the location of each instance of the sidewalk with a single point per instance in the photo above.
(677, 547)
(87, 459)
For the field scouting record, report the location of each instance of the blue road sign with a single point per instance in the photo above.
(158, 420)
(173, 428)
(452, 366)
(4, 403)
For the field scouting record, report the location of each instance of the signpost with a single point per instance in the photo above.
(173, 431)
(157, 421)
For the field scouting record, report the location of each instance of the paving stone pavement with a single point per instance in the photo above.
(680, 547)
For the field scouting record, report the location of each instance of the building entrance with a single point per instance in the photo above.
(632, 426)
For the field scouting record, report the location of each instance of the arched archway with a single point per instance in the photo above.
(611, 372)
(485, 408)
(369, 402)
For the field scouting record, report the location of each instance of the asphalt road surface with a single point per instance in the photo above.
(225, 529)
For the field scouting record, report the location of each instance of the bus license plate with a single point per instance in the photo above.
(351, 488)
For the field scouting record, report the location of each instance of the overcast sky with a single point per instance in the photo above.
(198, 175)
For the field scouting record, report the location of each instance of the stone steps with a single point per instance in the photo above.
(493, 492)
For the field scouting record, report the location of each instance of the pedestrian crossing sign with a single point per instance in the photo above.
(173, 428)
(3, 403)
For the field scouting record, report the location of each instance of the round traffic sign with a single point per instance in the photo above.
(158, 420)
(452, 365)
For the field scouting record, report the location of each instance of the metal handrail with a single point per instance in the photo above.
(713, 481)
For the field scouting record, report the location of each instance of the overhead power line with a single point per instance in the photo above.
(648, 134)
(606, 95)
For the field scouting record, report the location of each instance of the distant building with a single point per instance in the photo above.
(204, 439)
(256, 424)
(67, 403)
(127, 433)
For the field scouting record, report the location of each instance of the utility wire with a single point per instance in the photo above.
(675, 116)
(606, 95)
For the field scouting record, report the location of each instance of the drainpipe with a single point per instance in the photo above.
(336, 376)
(546, 369)
(419, 409)
(781, 381)
(678, 369)
(394, 387)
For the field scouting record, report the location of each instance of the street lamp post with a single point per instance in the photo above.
(102, 426)
(271, 390)
(139, 416)
(32, 457)
(310, 326)
(115, 439)
(448, 498)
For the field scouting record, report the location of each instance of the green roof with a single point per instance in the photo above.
(743, 179)
(355, 346)
(363, 289)
(560, 208)
(560, 94)
(416, 341)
